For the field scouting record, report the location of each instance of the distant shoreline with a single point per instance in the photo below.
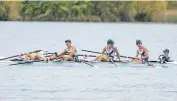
(173, 23)
(90, 11)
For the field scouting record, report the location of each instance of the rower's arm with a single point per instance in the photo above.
(146, 53)
(137, 54)
(103, 51)
(117, 53)
(61, 53)
(73, 50)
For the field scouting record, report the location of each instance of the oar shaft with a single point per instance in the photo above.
(10, 57)
(35, 51)
(152, 61)
(26, 62)
(86, 55)
(19, 55)
(78, 55)
(127, 57)
(91, 51)
(113, 62)
(87, 63)
(101, 53)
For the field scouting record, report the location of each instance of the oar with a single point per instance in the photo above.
(101, 53)
(26, 62)
(113, 62)
(78, 55)
(86, 55)
(86, 62)
(16, 59)
(91, 51)
(10, 57)
(153, 61)
(19, 55)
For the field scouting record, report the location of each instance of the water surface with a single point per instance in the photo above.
(52, 83)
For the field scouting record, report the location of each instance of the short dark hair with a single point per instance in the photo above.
(138, 42)
(68, 41)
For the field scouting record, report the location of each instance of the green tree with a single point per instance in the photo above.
(109, 11)
(3, 11)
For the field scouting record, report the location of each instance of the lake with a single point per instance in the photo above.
(48, 83)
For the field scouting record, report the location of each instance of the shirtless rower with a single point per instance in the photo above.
(142, 51)
(68, 53)
(34, 56)
(108, 52)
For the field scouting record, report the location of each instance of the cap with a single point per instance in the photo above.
(166, 50)
(138, 42)
(68, 40)
(111, 42)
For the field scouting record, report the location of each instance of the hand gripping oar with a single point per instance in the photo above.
(26, 62)
(19, 55)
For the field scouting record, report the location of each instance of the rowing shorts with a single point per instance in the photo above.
(145, 60)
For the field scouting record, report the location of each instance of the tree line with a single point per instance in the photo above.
(91, 11)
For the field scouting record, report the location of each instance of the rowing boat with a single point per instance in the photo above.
(86, 61)
(60, 63)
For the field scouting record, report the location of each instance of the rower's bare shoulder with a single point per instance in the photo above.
(73, 45)
(146, 49)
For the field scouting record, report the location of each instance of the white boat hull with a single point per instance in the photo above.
(98, 64)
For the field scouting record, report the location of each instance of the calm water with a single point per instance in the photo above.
(29, 83)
